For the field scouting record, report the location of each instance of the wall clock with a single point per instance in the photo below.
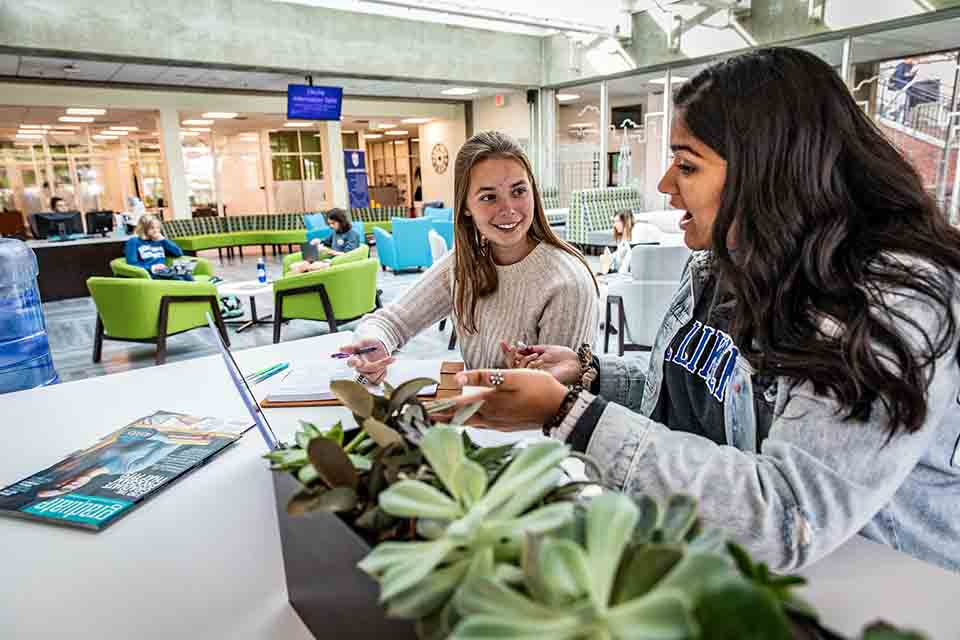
(439, 157)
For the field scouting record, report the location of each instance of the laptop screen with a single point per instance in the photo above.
(249, 401)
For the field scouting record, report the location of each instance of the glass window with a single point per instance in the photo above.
(286, 168)
(309, 142)
(312, 167)
(285, 142)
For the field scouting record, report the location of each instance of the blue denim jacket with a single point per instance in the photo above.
(815, 481)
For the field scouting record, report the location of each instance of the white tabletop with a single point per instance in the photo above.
(203, 558)
(245, 288)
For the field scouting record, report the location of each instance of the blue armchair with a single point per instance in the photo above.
(317, 227)
(408, 247)
(445, 229)
(438, 214)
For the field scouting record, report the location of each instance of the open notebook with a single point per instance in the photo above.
(310, 381)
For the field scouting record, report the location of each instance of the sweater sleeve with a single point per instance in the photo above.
(171, 248)
(131, 253)
(350, 241)
(571, 315)
(427, 301)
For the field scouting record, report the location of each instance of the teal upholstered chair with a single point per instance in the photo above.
(408, 247)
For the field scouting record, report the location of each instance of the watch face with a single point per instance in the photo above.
(439, 157)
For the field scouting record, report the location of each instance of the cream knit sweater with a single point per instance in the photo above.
(546, 298)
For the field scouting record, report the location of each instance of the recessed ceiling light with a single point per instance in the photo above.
(200, 129)
(72, 127)
(415, 120)
(348, 131)
(74, 119)
(373, 136)
(414, 139)
(80, 111)
(110, 134)
(100, 136)
(575, 125)
(125, 128)
(220, 115)
(384, 125)
(459, 91)
(34, 126)
(398, 132)
(673, 80)
(58, 132)
(29, 136)
(196, 123)
(567, 97)
(298, 124)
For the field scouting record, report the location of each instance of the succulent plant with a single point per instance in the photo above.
(472, 527)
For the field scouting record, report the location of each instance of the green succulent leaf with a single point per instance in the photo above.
(544, 519)
(332, 464)
(733, 608)
(414, 567)
(381, 433)
(415, 499)
(661, 615)
(496, 627)
(611, 518)
(407, 392)
(531, 463)
(430, 594)
(641, 568)
(353, 396)
(531, 494)
(443, 449)
(648, 521)
(336, 433)
(565, 571)
(678, 518)
(694, 570)
(337, 499)
(359, 462)
(884, 631)
(465, 413)
(302, 439)
(309, 428)
(469, 483)
(307, 474)
(486, 595)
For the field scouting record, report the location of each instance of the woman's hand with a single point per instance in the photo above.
(372, 365)
(524, 400)
(560, 362)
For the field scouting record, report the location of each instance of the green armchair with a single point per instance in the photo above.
(360, 253)
(340, 293)
(121, 269)
(149, 311)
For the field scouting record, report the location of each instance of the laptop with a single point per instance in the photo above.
(249, 401)
(310, 251)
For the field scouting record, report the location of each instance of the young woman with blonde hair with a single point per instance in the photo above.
(509, 278)
(148, 248)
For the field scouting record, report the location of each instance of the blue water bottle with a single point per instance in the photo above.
(25, 360)
(261, 271)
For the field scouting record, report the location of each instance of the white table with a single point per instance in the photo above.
(252, 289)
(203, 559)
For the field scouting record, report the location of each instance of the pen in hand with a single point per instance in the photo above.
(340, 355)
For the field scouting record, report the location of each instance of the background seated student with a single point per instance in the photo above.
(344, 238)
(303, 266)
(805, 384)
(622, 235)
(149, 249)
(508, 277)
(58, 205)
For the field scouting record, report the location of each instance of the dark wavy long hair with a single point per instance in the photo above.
(827, 216)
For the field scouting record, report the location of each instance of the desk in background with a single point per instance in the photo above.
(203, 558)
(65, 266)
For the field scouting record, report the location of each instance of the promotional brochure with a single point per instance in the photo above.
(94, 487)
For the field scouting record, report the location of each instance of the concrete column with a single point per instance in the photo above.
(334, 167)
(178, 198)
(604, 133)
(548, 139)
(667, 122)
(846, 62)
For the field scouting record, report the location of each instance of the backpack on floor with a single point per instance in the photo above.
(231, 307)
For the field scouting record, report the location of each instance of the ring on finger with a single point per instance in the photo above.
(496, 378)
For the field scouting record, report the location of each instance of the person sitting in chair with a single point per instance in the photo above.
(344, 238)
(322, 262)
(149, 249)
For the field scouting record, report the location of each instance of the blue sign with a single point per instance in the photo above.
(313, 103)
(356, 167)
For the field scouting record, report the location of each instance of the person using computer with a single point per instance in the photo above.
(149, 249)
(58, 204)
(344, 238)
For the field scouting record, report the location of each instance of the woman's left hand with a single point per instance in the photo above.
(524, 400)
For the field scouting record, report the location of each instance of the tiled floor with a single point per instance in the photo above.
(70, 325)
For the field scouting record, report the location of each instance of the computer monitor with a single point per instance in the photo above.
(99, 222)
(59, 225)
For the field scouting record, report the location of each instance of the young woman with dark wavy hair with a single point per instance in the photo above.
(804, 383)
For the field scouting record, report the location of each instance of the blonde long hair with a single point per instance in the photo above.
(475, 274)
(145, 222)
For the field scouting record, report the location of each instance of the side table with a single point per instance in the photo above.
(252, 289)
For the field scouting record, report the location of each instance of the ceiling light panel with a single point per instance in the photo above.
(83, 111)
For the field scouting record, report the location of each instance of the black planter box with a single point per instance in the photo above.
(326, 589)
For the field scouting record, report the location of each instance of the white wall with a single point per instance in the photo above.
(452, 134)
(513, 118)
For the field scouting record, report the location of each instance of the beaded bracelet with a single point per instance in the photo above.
(573, 391)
